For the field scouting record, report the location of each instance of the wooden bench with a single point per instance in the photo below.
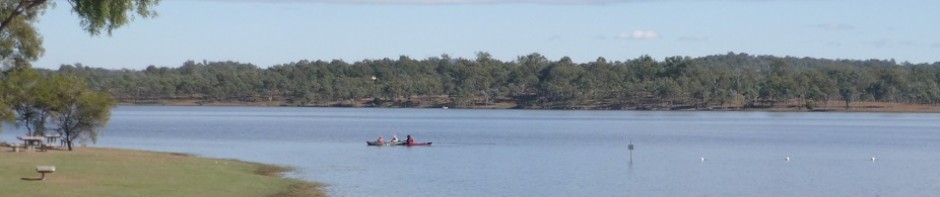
(48, 146)
(43, 170)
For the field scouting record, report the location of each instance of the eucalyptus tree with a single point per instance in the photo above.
(846, 82)
(523, 79)
(78, 112)
(6, 116)
(779, 84)
(35, 99)
(558, 84)
(29, 96)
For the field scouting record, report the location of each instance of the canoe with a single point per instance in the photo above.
(373, 143)
(417, 144)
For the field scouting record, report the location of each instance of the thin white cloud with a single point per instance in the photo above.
(639, 35)
(835, 26)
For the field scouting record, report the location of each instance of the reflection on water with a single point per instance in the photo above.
(558, 153)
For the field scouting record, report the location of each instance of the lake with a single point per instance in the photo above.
(556, 153)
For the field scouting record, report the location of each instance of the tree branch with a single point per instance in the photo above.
(23, 6)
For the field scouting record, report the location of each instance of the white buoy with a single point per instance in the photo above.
(872, 159)
(788, 158)
(703, 159)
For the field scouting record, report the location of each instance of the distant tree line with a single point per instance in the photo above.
(532, 81)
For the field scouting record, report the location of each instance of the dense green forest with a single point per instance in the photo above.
(733, 80)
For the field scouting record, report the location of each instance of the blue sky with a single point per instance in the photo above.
(273, 32)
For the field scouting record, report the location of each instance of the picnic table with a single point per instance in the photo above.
(51, 138)
(33, 142)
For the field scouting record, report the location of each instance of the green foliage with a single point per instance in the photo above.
(560, 83)
(78, 112)
(19, 41)
(30, 97)
(97, 15)
(532, 81)
(65, 101)
(7, 116)
(20, 44)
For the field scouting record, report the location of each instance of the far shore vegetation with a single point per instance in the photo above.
(114, 172)
(732, 81)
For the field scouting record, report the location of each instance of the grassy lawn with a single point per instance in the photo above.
(114, 172)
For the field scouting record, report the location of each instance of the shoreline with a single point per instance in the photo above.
(121, 172)
(874, 107)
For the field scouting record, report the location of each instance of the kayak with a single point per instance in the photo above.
(417, 144)
(373, 143)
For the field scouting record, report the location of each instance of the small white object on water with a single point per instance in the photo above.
(703, 159)
(872, 159)
(788, 158)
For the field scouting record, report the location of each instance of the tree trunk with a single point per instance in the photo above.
(68, 140)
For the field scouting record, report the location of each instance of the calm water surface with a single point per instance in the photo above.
(557, 153)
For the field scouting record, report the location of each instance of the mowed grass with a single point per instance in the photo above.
(114, 172)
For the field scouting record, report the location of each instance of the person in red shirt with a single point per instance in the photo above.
(409, 140)
(379, 141)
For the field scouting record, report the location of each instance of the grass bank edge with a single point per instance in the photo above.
(20, 164)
